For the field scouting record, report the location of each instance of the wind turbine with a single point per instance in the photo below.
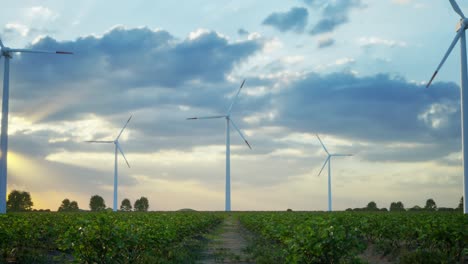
(328, 160)
(7, 53)
(117, 147)
(228, 145)
(460, 29)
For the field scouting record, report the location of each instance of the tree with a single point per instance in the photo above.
(68, 206)
(415, 208)
(74, 206)
(460, 205)
(19, 201)
(141, 205)
(398, 206)
(430, 205)
(96, 203)
(126, 206)
(65, 206)
(372, 206)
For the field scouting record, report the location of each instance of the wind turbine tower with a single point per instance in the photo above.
(117, 148)
(7, 54)
(460, 35)
(229, 121)
(328, 161)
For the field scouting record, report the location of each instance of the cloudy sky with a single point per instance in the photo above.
(352, 71)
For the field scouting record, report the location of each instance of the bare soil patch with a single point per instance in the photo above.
(227, 244)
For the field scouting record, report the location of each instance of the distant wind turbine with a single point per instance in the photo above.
(328, 160)
(117, 147)
(228, 145)
(7, 53)
(460, 29)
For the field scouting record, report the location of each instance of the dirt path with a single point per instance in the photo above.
(227, 244)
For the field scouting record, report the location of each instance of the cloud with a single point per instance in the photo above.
(293, 20)
(375, 109)
(402, 2)
(340, 63)
(325, 42)
(242, 32)
(60, 101)
(334, 14)
(162, 80)
(203, 56)
(375, 41)
(31, 23)
(127, 63)
(314, 3)
(40, 13)
(13, 30)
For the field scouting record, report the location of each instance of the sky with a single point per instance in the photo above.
(352, 71)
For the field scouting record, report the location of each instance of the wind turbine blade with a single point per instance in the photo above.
(124, 127)
(235, 98)
(99, 141)
(342, 155)
(121, 151)
(39, 51)
(325, 163)
(456, 8)
(457, 36)
(205, 117)
(322, 144)
(240, 133)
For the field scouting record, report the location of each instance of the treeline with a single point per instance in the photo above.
(20, 201)
(400, 207)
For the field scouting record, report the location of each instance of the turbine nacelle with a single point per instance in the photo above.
(462, 24)
(5, 52)
(228, 116)
(115, 141)
(329, 155)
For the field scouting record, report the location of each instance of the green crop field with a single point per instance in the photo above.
(274, 237)
(101, 237)
(341, 237)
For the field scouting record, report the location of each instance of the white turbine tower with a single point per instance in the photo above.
(460, 29)
(7, 54)
(228, 145)
(328, 160)
(117, 147)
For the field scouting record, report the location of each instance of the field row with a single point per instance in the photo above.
(101, 237)
(343, 237)
(277, 237)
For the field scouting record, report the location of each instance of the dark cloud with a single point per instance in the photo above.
(131, 58)
(293, 20)
(125, 68)
(334, 14)
(242, 32)
(377, 109)
(113, 81)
